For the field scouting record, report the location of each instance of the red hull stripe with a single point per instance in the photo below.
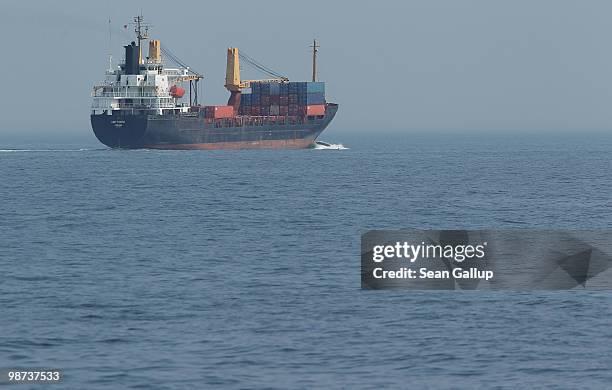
(275, 144)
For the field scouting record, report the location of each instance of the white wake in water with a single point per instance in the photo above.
(327, 146)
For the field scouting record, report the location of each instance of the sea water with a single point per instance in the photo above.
(241, 269)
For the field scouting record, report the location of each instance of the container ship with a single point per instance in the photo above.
(144, 104)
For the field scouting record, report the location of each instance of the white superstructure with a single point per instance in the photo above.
(149, 90)
(140, 85)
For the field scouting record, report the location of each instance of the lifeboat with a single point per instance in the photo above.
(177, 92)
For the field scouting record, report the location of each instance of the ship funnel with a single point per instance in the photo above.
(132, 59)
(154, 51)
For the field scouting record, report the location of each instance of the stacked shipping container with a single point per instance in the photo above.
(292, 98)
(217, 112)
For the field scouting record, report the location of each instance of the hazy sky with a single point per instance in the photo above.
(391, 65)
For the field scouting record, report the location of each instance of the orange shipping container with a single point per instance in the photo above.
(217, 112)
(317, 109)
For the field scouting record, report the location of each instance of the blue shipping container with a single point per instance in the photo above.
(245, 100)
(316, 87)
(315, 98)
(274, 88)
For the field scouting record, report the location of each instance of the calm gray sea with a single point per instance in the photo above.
(241, 269)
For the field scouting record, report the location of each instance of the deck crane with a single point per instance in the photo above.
(233, 82)
(192, 77)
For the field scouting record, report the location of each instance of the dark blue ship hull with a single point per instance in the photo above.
(193, 131)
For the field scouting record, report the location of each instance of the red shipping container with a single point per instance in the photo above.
(283, 100)
(283, 110)
(255, 110)
(217, 112)
(274, 100)
(315, 109)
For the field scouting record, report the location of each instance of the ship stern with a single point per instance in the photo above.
(121, 132)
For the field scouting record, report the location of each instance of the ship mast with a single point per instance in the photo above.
(110, 46)
(315, 49)
(142, 32)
